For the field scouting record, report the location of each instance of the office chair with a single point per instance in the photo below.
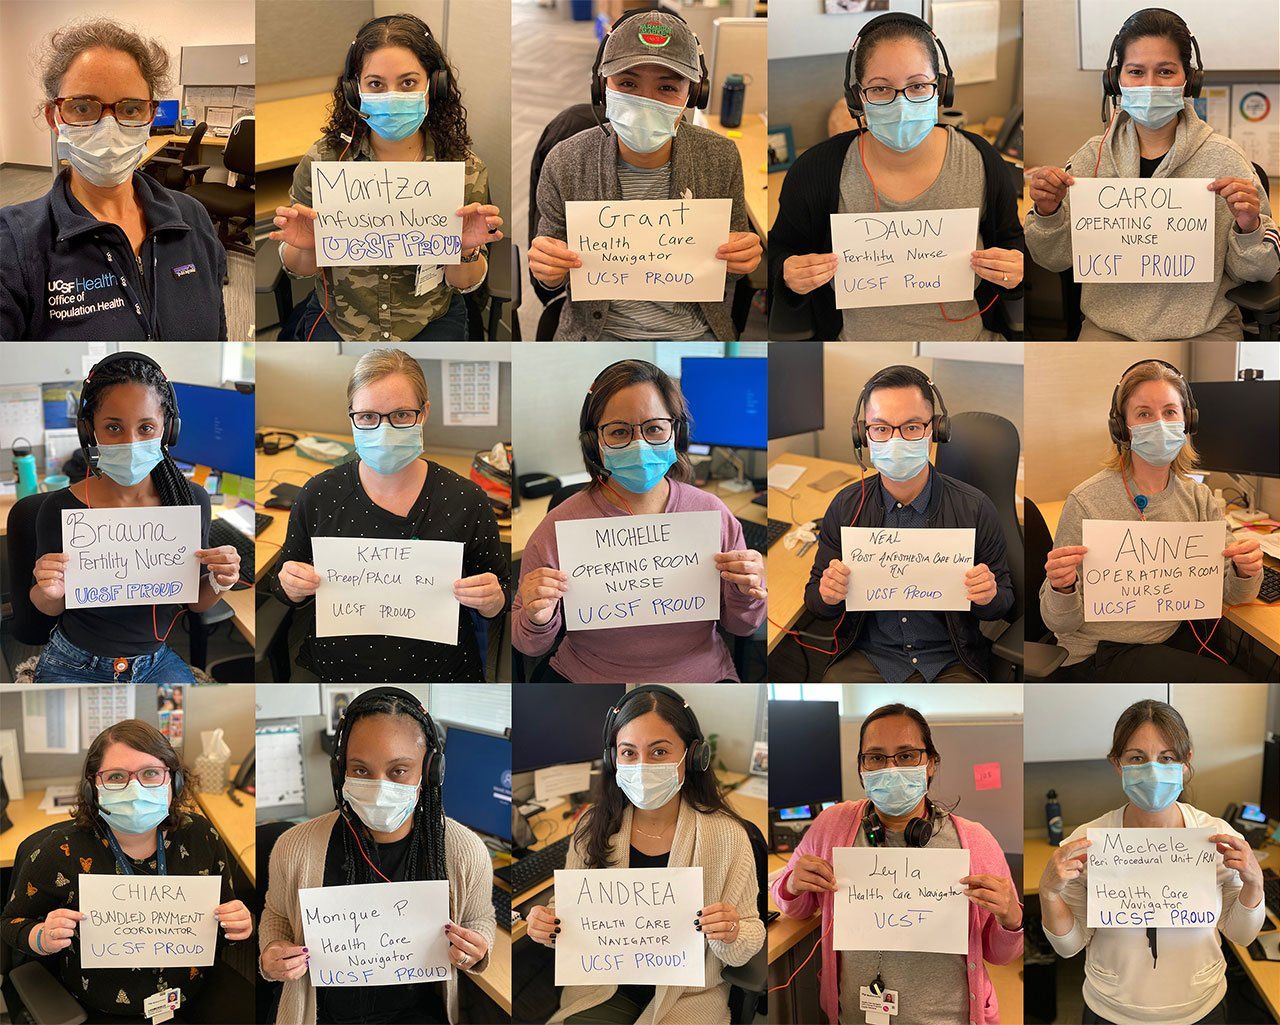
(177, 167)
(231, 206)
(503, 285)
(1043, 654)
(517, 291)
(1259, 301)
(748, 982)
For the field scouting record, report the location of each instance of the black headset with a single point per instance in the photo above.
(941, 420)
(852, 90)
(917, 833)
(1111, 75)
(699, 753)
(699, 92)
(588, 437)
(84, 428)
(437, 81)
(274, 442)
(1116, 425)
(432, 765)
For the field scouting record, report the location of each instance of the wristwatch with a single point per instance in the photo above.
(474, 256)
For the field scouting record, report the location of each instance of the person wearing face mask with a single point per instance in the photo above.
(128, 419)
(897, 761)
(898, 415)
(392, 492)
(648, 73)
(634, 438)
(397, 98)
(387, 767)
(657, 804)
(134, 816)
(1154, 132)
(1165, 976)
(108, 252)
(1146, 477)
(898, 159)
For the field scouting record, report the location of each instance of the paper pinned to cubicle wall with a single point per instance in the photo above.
(51, 721)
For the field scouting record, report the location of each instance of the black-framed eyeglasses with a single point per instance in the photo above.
(913, 431)
(903, 759)
(618, 433)
(400, 419)
(118, 779)
(916, 92)
(85, 110)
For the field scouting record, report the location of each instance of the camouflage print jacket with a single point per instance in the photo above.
(374, 304)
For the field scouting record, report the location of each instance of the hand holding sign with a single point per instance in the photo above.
(55, 932)
(295, 226)
(897, 568)
(901, 898)
(50, 575)
(136, 556)
(1241, 195)
(1153, 878)
(1151, 571)
(1067, 864)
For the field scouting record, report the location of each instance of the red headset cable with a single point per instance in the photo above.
(1102, 142)
(360, 846)
(816, 945)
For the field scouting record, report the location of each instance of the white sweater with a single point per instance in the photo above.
(1189, 976)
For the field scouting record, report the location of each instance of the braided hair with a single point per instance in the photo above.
(425, 859)
(170, 484)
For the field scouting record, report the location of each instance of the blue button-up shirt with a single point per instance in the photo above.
(901, 643)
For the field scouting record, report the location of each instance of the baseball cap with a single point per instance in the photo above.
(656, 37)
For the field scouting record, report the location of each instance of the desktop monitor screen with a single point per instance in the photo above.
(217, 428)
(814, 728)
(728, 400)
(559, 723)
(477, 781)
(166, 114)
(1237, 431)
(796, 402)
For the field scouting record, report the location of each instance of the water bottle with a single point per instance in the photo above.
(25, 462)
(732, 98)
(1053, 817)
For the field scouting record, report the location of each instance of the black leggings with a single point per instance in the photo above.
(1218, 1016)
(1174, 661)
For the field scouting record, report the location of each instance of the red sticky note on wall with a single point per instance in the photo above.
(986, 776)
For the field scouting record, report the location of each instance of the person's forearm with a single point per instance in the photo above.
(298, 261)
(208, 597)
(1250, 895)
(49, 606)
(467, 275)
(1057, 916)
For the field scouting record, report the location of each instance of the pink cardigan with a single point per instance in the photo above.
(988, 940)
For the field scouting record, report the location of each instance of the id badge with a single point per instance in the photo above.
(160, 1006)
(428, 278)
(879, 1009)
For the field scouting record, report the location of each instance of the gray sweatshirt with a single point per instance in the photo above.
(704, 165)
(1103, 497)
(1175, 310)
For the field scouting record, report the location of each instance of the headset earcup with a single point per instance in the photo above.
(1195, 79)
(177, 783)
(439, 86)
(947, 88)
(682, 436)
(174, 429)
(942, 429)
(351, 93)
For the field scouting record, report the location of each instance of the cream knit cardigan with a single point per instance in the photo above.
(297, 862)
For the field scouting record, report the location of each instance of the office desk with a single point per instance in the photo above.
(27, 819)
(234, 823)
(753, 149)
(1258, 621)
(286, 129)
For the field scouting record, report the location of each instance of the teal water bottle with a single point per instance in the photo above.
(25, 462)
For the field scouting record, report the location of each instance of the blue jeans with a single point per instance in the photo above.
(62, 662)
(450, 326)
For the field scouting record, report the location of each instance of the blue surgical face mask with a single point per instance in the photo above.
(1152, 786)
(135, 809)
(388, 450)
(1152, 106)
(105, 153)
(902, 125)
(896, 791)
(650, 785)
(1158, 443)
(644, 125)
(640, 466)
(131, 462)
(394, 116)
(382, 805)
(899, 459)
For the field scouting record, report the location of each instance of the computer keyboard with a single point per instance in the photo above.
(261, 521)
(759, 537)
(1271, 891)
(225, 534)
(502, 907)
(1270, 590)
(535, 867)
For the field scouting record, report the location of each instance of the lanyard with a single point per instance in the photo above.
(125, 866)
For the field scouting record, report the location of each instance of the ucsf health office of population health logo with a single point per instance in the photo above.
(655, 35)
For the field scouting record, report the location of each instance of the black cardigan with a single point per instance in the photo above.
(811, 194)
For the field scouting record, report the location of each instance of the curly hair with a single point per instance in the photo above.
(142, 737)
(65, 44)
(446, 121)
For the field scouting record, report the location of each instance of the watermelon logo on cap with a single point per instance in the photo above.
(655, 35)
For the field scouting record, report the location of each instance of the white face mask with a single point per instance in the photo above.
(105, 153)
(381, 805)
(650, 785)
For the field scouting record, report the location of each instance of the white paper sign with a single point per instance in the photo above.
(1148, 571)
(1126, 230)
(622, 926)
(901, 898)
(1152, 878)
(387, 213)
(640, 570)
(899, 259)
(148, 921)
(663, 250)
(377, 934)
(131, 556)
(895, 568)
(380, 586)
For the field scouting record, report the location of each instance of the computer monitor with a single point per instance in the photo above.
(166, 114)
(560, 723)
(796, 401)
(1271, 777)
(728, 400)
(217, 428)
(1237, 431)
(477, 780)
(811, 727)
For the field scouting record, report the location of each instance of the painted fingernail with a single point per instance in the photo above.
(306, 950)
(557, 930)
(699, 912)
(698, 927)
(557, 921)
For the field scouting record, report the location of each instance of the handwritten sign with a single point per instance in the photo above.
(629, 925)
(901, 898)
(131, 556)
(640, 570)
(1152, 878)
(387, 213)
(1126, 230)
(899, 259)
(660, 249)
(907, 568)
(148, 921)
(377, 934)
(393, 588)
(1148, 571)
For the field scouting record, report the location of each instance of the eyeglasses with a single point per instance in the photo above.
(916, 92)
(84, 110)
(912, 431)
(400, 419)
(902, 759)
(118, 779)
(618, 433)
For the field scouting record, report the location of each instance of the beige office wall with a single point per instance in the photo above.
(728, 710)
